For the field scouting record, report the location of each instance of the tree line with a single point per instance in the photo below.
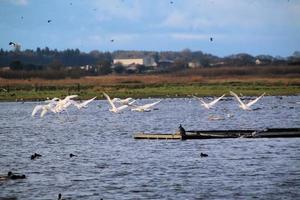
(53, 64)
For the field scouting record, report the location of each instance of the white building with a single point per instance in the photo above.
(147, 61)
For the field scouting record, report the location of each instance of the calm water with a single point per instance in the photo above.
(112, 165)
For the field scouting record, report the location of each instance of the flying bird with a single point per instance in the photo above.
(49, 20)
(113, 107)
(144, 108)
(12, 43)
(211, 39)
(248, 105)
(83, 104)
(211, 104)
(112, 40)
(123, 101)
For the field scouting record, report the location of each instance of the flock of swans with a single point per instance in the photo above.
(57, 105)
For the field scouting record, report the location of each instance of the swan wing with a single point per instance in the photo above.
(36, 109)
(255, 100)
(44, 111)
(122, 107)
(237, 97)
(85, 103)
(216, 100)
(70, 97)
(147, 106)
(109, 100)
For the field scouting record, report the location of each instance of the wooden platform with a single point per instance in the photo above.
(222, 134)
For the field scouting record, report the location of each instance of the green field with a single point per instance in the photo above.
(29, 93)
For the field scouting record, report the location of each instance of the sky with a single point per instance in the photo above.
(237, 26)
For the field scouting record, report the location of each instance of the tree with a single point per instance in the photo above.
(104, 67)
(16, 65)
(118, 68)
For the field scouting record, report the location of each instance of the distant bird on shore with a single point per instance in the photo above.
(248, 105)
(211, 104)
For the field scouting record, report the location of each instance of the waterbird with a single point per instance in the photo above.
(113, 107)
(71, 155)
(144, 108)
(123, 101)
(63, 104)
(60, 197)
(203, 155)
(248, 105)
(13, 176)
(35, 155)
(211, 104)
(83, 104)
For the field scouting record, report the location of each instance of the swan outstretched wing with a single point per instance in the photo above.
(147, 106)
(216, 100)
(255, 100)
(36, 109)
(85, 103)
(110, 101)
(238, 98)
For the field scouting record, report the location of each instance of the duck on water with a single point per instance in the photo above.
(12, 176)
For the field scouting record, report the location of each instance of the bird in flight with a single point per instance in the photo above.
(248, 105)
(211, 39)
(211, 104)
(12, 43)
(49, 20)
(144, 108)
(113, 107)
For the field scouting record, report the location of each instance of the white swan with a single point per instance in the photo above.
(123, 101)
(45, 108)
(211, 104)
(83, 104)
(248, 105)
(64, 104)
(113, 107)
(145, 108)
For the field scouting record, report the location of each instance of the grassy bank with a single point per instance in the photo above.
(146, 86)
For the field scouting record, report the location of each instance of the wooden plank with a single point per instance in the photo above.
(157, 136)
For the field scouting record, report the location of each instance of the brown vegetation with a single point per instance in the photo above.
(283, 74)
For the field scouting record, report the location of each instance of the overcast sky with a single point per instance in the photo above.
(236, 26)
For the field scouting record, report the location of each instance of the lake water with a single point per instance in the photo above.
(110, 164)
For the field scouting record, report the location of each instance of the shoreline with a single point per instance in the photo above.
(155, 86)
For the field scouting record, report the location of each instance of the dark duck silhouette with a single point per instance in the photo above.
(72, 155)
(203, 155)
(35, 155)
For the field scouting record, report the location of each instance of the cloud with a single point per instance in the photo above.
(19, 2)
(189, 36)
(116, 9)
